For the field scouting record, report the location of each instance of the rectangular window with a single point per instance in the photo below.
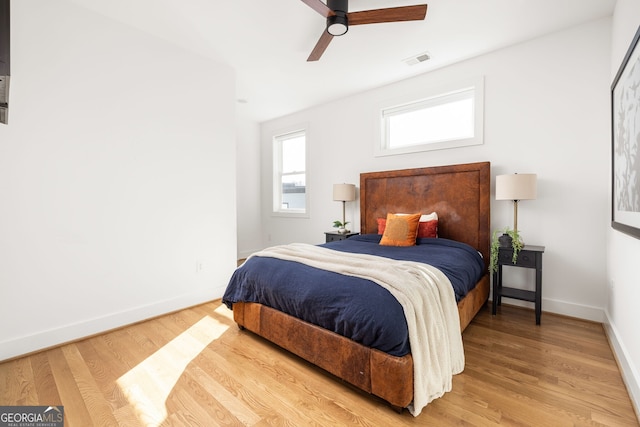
(289, 158)
(451, 118)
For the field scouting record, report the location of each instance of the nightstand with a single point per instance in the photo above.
(528, 257)
(334, 236)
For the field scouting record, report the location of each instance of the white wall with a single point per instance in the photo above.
(546, 112)
(623, 316)
(117, 194)
(248, 185)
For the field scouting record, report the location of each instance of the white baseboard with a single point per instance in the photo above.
(594, 314)
(85, 328)
(629, 373)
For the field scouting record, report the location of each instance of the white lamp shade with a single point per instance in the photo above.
(344, 192)
(519, 186)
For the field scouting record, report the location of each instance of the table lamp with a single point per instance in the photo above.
(516, 187)
(344, 193)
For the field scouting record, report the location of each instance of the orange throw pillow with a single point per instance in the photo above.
(400, 230)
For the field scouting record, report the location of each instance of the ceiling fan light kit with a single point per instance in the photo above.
(338, 19)
(337, 24)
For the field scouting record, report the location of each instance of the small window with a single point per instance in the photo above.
(451, 118)
(289, 158)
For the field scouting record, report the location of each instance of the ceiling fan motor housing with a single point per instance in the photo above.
(338, 24)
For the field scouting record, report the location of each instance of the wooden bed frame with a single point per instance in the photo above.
(460, 196)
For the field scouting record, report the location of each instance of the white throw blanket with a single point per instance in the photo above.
(429, 305)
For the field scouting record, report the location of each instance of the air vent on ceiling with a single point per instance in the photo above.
(416, 59)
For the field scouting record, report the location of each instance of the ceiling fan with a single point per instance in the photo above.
(339, 18)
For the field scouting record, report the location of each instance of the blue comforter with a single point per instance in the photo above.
(353, 307)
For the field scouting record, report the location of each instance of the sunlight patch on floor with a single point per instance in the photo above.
(222, 310)
(148, 385)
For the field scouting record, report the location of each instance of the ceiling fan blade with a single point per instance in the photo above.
(391, 14)
(319, 7)
(320, 47)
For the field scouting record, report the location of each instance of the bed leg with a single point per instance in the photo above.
(240, 327)
(398, 409)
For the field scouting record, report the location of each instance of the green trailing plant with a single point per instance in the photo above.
(516, 244)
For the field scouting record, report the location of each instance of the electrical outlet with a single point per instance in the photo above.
(198, 266)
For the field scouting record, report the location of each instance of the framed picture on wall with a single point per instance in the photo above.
(625, 147)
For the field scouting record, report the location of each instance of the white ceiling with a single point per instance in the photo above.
(267, 42)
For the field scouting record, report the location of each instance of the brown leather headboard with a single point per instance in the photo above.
(458, 193)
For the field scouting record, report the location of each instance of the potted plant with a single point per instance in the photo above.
(508, 238)
(341, 226)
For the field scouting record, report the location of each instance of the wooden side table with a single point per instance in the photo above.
(333, 236)
(529, 257)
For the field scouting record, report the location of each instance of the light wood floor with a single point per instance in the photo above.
(195, 368)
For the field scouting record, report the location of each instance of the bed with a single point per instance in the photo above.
(460, 196)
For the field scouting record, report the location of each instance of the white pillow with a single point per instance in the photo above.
(425, 218)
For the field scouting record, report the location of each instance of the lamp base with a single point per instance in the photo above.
(505, 241)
